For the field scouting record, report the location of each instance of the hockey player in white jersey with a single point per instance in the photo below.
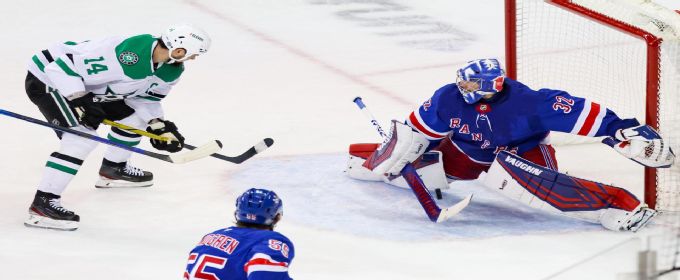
(78, 85)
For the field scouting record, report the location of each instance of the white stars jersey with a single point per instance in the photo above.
(112, 68)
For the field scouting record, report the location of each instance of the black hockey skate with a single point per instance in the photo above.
(46, 212)
(122, 175)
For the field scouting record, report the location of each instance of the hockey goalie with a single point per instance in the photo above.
(486, 122)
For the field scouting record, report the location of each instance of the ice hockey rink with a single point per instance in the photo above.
(289, 69)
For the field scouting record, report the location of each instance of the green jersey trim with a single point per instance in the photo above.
(70, 118)
(37, 62)
(66, 69)
(119, 141)
(134, 56)
(61, 168)
(149, 98)
(169, 72)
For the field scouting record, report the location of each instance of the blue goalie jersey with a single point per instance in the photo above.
(236, 253)
(516, 119)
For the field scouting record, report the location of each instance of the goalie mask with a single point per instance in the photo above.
(479, 78)
(184, 36)
(258, 206)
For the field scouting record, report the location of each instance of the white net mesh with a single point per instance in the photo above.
(561, 49)
(668, 180)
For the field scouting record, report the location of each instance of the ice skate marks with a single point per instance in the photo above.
(319, 195)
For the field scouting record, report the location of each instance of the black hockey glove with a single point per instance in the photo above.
(90, 113)
(166, 129)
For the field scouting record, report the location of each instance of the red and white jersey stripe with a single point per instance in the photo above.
(263, 262)
(590, 119)
(416, 121)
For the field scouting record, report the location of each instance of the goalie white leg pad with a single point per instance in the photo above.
(429, 168)
(356, 170)
(431, 171)
(39, 221)
(499, 180)
(548, 190)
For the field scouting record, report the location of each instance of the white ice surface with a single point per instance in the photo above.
(286, 70)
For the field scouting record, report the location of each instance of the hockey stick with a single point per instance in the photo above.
(256, 149)
(198, 153)
(136, 131)
(414, 181)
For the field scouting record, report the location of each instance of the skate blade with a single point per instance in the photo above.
(37, 221)
(108, 184)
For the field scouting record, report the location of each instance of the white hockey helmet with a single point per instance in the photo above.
(184, 36)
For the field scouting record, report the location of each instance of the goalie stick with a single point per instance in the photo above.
(433, 211)
(252, 151)
(199, 152)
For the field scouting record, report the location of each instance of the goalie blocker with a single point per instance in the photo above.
(541, 188)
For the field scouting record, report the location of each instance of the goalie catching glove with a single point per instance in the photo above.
(643, 145)
(401, 146)
(166, 129)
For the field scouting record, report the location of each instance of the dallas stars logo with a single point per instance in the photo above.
(128, 58)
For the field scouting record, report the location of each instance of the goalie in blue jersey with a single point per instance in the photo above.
(251, 250)
(458, 133)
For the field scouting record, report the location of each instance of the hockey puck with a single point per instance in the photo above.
(438, 193)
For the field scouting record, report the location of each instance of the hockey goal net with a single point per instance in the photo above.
(624, 54)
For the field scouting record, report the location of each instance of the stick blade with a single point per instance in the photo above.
(448, 213)
(197, 153)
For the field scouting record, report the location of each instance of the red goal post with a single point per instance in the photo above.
(617, 40)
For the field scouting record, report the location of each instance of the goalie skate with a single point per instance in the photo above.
(620, 220)
(122, 175)
(46, 212)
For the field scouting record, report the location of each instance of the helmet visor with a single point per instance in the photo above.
(468, 86)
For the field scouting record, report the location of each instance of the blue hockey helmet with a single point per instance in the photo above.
(485, 73)
(258, 206)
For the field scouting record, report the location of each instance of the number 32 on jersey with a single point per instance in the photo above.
(563, 104)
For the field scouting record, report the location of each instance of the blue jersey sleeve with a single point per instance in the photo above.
(270, 259)
(557, 110)
(431, 119)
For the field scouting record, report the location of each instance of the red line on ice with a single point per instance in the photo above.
(299, 53)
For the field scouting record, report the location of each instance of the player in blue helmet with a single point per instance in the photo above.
(251, 250)
(480, 78)
(458, 133)
(258, 207)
